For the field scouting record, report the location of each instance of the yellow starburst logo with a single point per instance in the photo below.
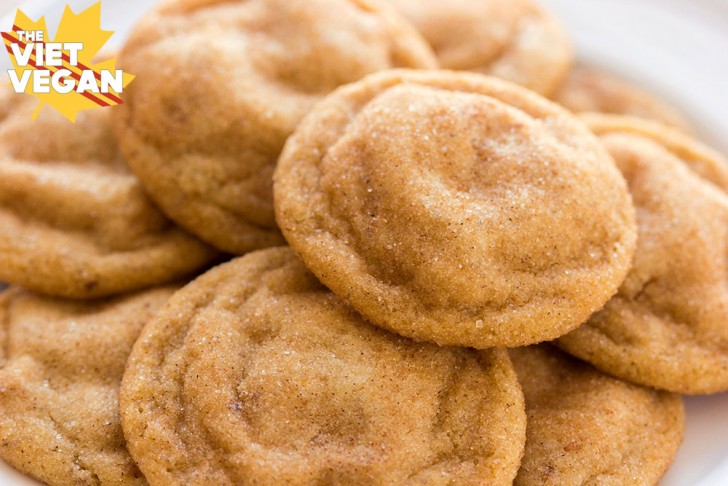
(60, 72)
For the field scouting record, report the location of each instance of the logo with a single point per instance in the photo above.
(61, 72)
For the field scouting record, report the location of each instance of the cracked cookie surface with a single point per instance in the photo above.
(256, 373)
(456, 208)
(219, 87)
(62, 363)
(665, 328)
(586, 427)
(74, 221)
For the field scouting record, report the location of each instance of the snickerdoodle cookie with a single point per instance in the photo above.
(585, 427)
(456, 208)
(221, 84)
(666, 327)
(512, 39)
(703, 160)
(74, 221)
(257, 374)
(590, 90)
(62, 362)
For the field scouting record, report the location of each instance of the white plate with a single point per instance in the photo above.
(678, 48)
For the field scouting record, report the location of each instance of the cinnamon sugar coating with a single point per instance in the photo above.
(62, 363)
(456, 208)
(219, 87)
(585, 427)
(665, 328)
(706, 162)
(74, 221)
(255, 373)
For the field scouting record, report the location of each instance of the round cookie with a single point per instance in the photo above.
(62, 363)
(512, 39)
(590, 90)
(255, 373)
(74, 221)
(585, 427)
(456, 208)
(221, 84)
(708, 163)
(665, 328)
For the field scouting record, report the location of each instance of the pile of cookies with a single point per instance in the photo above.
(483, 286)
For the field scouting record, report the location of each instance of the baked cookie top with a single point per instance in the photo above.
(666, 326)
(62, 363)
(706, 162)
(512, 39)
(590, 90)
(74, 221)
(255, 373)
(219, 87)
(585, 427)
(456, 208)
